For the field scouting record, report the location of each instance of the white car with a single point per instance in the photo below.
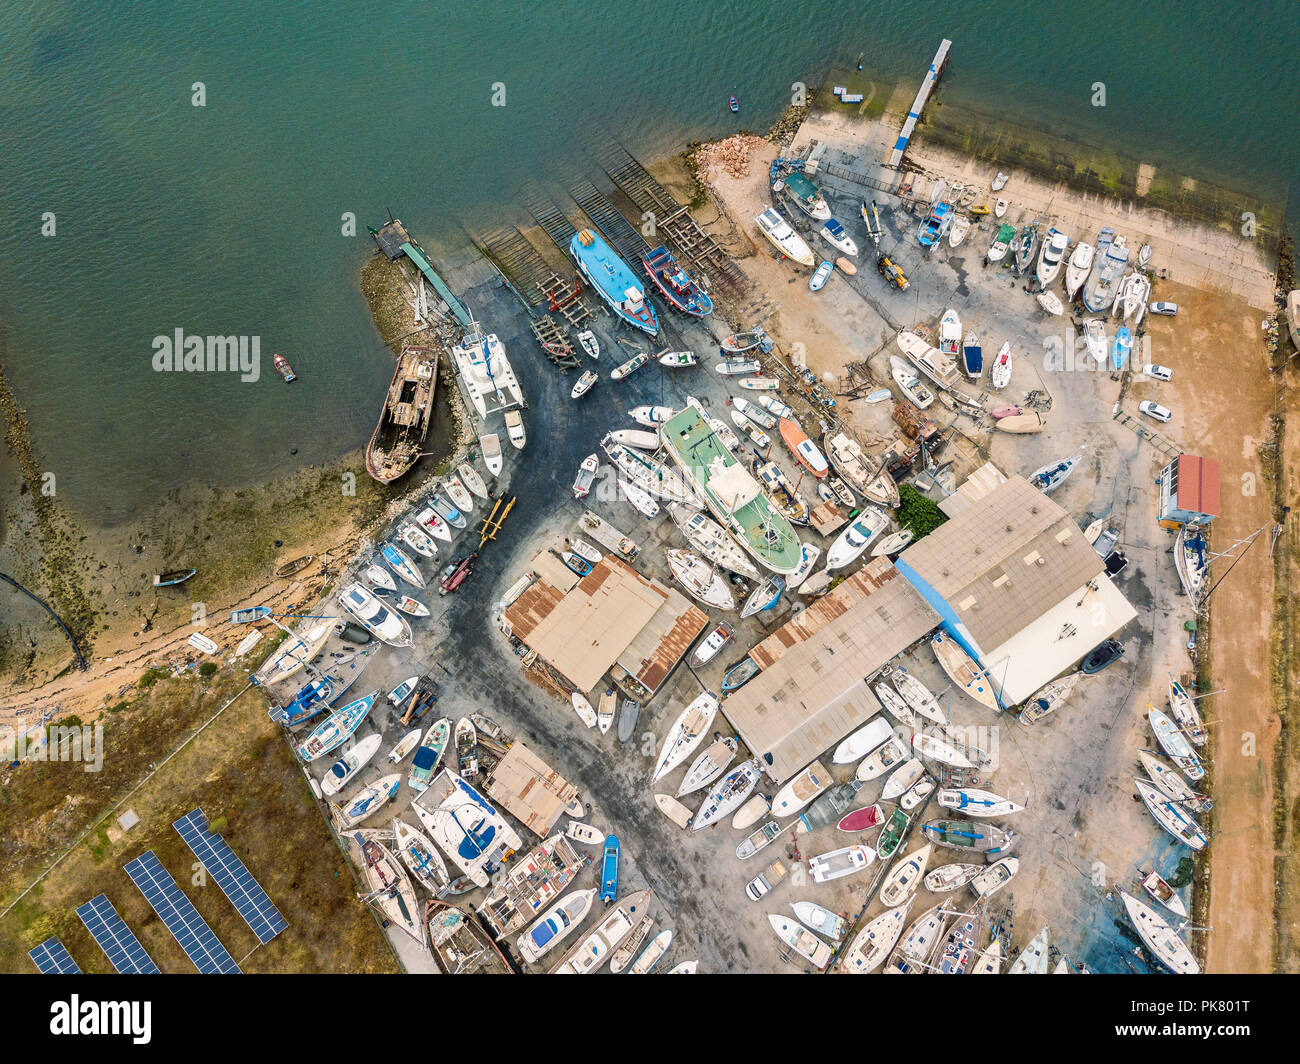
(1160, 373)
(1155, 410)
(1162, 307)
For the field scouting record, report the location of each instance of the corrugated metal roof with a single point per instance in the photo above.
(1198, 485)
(664, 641)
(529, 789)
(1004, 561)
(815, 692)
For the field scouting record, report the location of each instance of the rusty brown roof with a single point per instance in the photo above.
(655, 650)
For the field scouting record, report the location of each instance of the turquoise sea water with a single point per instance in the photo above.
(226, 219)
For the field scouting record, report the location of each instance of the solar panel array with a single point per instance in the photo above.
(232, 876)
(178, 913)
(52, 958)
(115, 938)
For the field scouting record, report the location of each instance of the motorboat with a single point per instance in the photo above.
(584, 384)
(1051, 256)
(837, 236)
(1079, 266)
(909, 383)
(1000, 374)
(782, 237)
(856, 538)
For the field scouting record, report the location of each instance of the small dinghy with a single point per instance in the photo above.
(686, 733)
(589, 344)
(739, 674)
(1155, 885)
(673, 810)
(378, 577)
(583, 833)
(1000, 207)
(820, 276)
(289, 568)
(1000, 375)
(708, 766)
(874, 942)
(677, 359)
(584, 384)
(583, 708)
(606, 710)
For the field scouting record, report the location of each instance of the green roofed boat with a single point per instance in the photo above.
(733, 496)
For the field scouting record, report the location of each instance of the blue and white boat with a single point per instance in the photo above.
(675, 283)
(465, 826)
(610, 277)
(317, 695)
(936, 224)
(972, 356)
(1107, 269)
(609, 870)
(819, 278)
(1123, 346)
(334, 730)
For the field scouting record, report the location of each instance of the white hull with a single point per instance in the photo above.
(686, 733)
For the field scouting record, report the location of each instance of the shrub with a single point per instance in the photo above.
(208, 668)
(918, 512)
(151, 677)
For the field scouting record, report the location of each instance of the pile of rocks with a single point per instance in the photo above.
(731, 154)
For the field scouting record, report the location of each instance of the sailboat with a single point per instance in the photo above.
(1184, 710)
(1033, 958)
(686, 733)
(709, 765)
(872, 944)
(729, 795)
(700, 580)
(1161, 939)
(962, 669)
(711, 540)
(1175, 744)
(390, 889)
(1191, 559)
(1051, 476)
(1170, 815)
(801, 940)
(905, 877)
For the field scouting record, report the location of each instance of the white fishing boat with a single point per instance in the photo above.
(909, 383)
(801, 940)
(676, 359)
(884, 759)
(950, 877)
(905, 877)
(1174, 743)
(686, 733)
(712, 541)
(1000, 207)
(754, 412)
(431, 521)
(638, 438)
(378, 577)
(709, 765)
(990, 880)
(619, 922)
(584, 833)
(1000, 245)
(626, 369)
(642, 501)
(404, 746)
(783, 237)
(917, 942)
(1161, 939)
(555, 924)
(835, 864)
(699, 579)
(950, 333)
(960, 227)
(820, 919)
(751, 430)
(367, 802)
(458, 493)
(809, 556)
(707, 648)
(917, 793)
(728, 795)
(1170, 815)
(585, 550)
(1000, 374)
(977, 803)
(737, 369)
(917, 695)
(1051, 303)
(586, 476)
(1155, 885)
(584, 384)
(585, 710)
(1079, 266)
(801, 790)
(421, 857)
(1183, 707)
(962, 669)
(1051, 256)
(490, 445)
(1033, 959)
(1094, 340)
(901, 779)
(391, 891)
(873, 943)
(837, 236)
(758, 840)
(651, 416)
(857, 537)
(589, 344)
(895, 704)
(861, 742)
(514, 433)
(1000, 181)
(342, 772)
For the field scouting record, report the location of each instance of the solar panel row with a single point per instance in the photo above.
(178, 913)
(115, 938)
(231, 875)
(52, 958)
